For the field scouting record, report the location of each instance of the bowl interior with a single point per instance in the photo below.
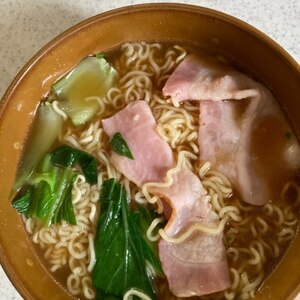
(160, 22)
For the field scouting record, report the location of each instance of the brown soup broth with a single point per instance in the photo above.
(254, 226)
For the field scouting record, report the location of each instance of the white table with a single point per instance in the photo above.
(27, 25)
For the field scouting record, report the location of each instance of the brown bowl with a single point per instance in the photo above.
(159, 22)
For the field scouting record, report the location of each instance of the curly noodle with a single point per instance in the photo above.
(251, 239)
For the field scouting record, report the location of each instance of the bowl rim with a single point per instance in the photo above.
(130, 9)
(140, 7)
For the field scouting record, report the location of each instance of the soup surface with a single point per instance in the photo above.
(255, 237)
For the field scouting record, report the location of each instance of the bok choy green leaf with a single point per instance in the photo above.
(21, 204)
(48, 198)
(48, 125)
(68, 156)
(120, 146)
(48, 193)
(78, 91)
(122, 254)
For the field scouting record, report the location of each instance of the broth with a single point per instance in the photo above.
(271, 227)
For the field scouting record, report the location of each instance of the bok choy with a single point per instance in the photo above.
(47, 128)
(79, 90)
(120, 146)
(48, 193)
(67, 156)
(122, 254)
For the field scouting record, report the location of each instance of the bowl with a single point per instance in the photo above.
(263, 58)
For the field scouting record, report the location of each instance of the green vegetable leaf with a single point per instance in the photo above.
(66, 211)
(49, 178)
(22, 203)
(100, 55)
(120, 146)
(145, 245)
(77, 91)
(49, 196)
(101, 296)
(47, 125)
(122, 254)
(68, 156)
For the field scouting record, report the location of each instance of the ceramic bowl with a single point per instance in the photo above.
(266, 60)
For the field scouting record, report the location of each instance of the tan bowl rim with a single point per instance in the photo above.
(15, 280)
(150, 6)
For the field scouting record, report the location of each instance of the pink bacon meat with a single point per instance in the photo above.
(234, 111)
(198, 265)
(152, 155)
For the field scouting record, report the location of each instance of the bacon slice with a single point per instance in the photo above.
(197, 266)
(245, 140)
(152, 155)
(207, 79)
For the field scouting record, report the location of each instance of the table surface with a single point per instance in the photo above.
(27, 25)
